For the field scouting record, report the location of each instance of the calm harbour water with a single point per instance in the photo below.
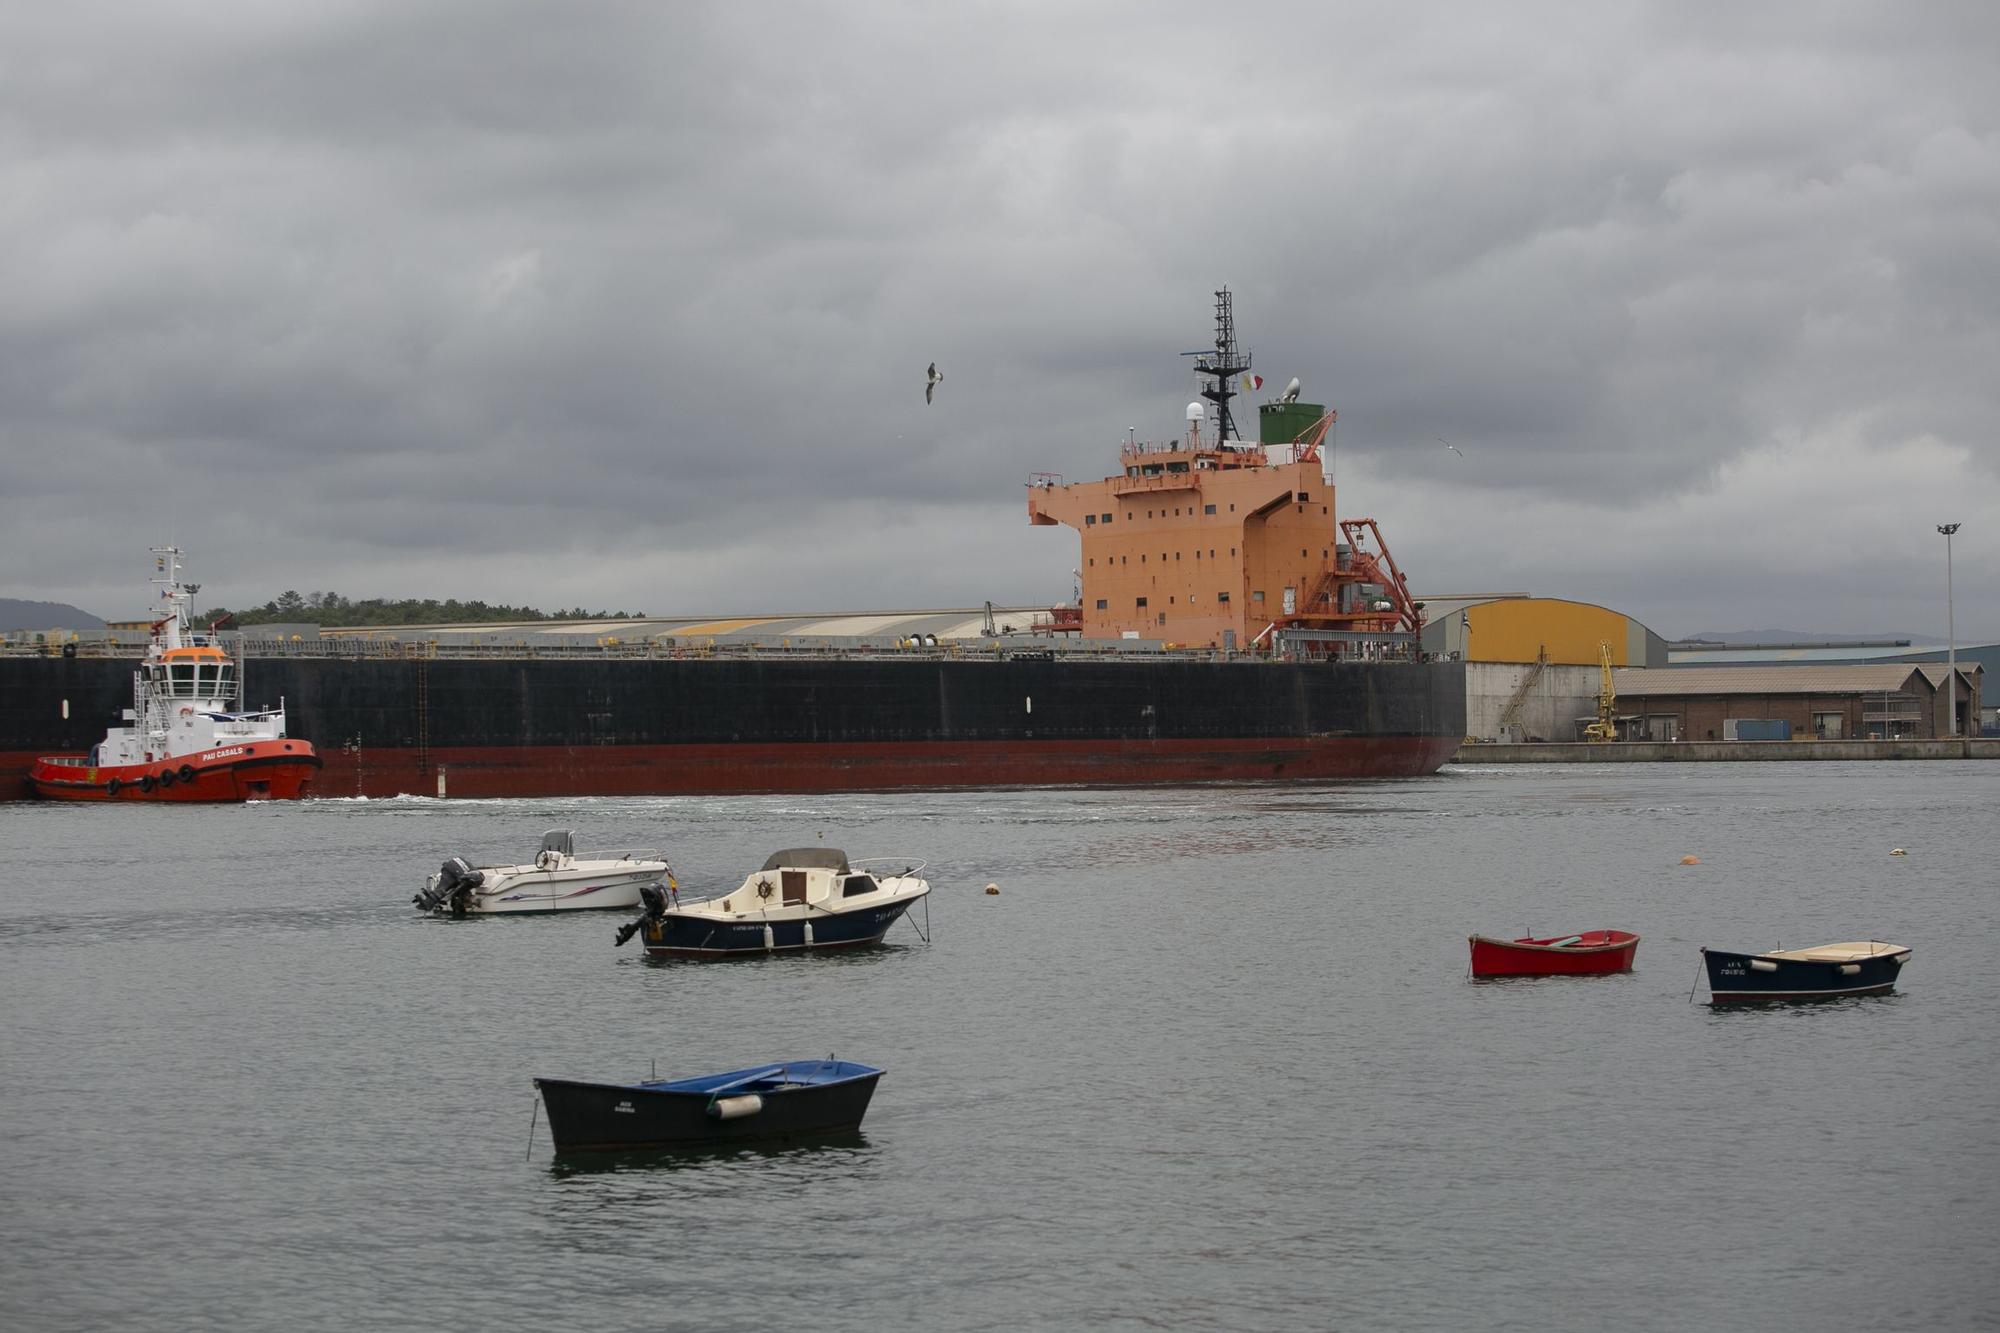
(1209, 1060)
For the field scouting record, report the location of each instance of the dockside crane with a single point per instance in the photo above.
(1606, 727)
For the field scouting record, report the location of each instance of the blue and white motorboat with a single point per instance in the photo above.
(1823, 972)
(804, 898)
(793, 1099)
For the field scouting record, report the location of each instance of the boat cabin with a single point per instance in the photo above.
(799, 876)
(204, 673)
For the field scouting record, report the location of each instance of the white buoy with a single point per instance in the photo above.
(993, 888)
(1897, 851)
(735, 1108)
(769, 943)
(809, 934)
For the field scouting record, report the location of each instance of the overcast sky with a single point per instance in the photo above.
(629, 305)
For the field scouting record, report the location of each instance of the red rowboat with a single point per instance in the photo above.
(1558, 955)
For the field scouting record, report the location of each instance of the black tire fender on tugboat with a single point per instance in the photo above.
(146, 784)
(112, 786)
(167, 778)
(187, 772)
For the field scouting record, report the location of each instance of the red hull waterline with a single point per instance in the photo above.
(265, 770)
(1591, 954)
(688, 770)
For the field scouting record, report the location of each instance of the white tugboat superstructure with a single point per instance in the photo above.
(186, 736)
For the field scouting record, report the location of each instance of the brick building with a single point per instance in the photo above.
(1886, 702)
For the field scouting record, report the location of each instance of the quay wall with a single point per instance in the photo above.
(1647, 752)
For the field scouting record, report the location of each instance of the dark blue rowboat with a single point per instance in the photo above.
(795, 1099)
(1823, 972)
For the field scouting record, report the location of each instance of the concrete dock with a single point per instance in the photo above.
(1648, 752)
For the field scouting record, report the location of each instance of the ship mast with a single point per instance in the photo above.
(167, 568)
(1224, 364)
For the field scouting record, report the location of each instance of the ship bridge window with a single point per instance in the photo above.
(180, 680)
(1106, 518)
(1100, 604)
(209, 681)
(1303, 497)
(1090, 520)
(1222, 597)
(1142, 601)
(1177, 467)
(857, 884)
(1208, 509)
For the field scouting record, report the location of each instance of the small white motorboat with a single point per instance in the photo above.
(804, 899)
(558, 881)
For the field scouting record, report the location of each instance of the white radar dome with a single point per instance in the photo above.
(1196, 412)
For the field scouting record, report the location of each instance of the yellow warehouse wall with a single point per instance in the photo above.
(1519, 630)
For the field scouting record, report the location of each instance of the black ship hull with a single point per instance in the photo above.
(636, 726)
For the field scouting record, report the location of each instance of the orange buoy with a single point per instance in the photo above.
(1690, 860)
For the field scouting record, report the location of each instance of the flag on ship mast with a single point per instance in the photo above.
(1252, 383)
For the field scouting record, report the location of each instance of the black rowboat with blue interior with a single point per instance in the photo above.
(803, 899)
(795, 1099)
(1823, 972)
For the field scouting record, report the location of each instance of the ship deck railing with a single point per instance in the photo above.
(668, 649)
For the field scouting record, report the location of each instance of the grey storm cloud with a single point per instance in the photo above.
(629, 305)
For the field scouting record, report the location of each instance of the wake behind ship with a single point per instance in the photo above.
(1229, 627)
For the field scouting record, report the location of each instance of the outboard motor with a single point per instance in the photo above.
(452, 888)
(655, 899)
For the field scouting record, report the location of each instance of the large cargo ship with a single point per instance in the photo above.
(1228, 627)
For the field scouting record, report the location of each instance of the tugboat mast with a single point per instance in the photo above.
(1225, 364)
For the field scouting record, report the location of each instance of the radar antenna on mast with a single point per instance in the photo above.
(1223, 365)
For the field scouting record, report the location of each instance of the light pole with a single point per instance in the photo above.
(1951, 635)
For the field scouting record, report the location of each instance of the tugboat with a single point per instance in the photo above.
(186, 737)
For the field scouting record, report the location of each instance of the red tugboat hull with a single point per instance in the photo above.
(263, 770)
(1592, 953)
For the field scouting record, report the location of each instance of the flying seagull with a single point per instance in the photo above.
(931, 381)
(1449, 445)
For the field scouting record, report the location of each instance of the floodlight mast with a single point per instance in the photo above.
(1951, 636)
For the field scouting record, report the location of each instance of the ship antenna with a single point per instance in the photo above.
(1224, 364)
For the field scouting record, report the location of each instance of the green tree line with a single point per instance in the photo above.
(330, 608)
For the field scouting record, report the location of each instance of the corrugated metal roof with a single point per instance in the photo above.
(1935, 672)
(1763, 679)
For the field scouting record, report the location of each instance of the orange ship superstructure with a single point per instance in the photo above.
(1214, 541)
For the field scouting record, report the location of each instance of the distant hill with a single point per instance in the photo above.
(16, 614)
(1736, 637)
(330, 608)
